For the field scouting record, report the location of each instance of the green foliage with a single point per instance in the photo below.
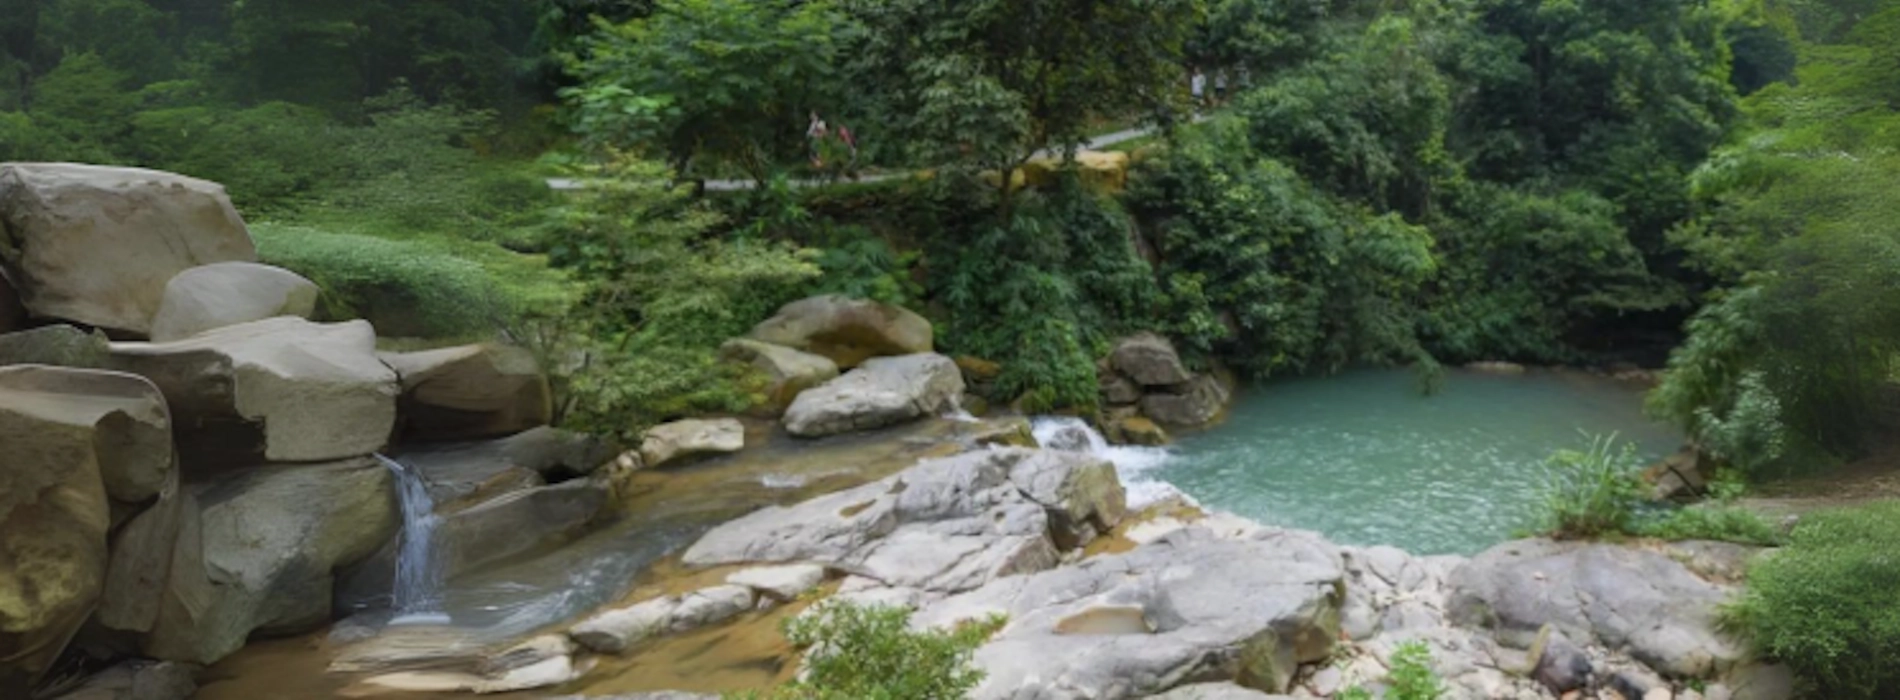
(1826, 605)
(660, 294)
(1722, 523)
(856, 263)
(870, 653)
(987, 84)
(1311, 284)
(1045, 294)
(1594, 492)
(1411, 677)
(730, 79)
(433, 288)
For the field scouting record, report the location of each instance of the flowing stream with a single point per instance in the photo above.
(417, 591)
(1365, 459)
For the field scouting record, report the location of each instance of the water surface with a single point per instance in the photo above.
(1366, 459)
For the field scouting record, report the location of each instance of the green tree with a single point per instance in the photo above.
(989, 83)
(728, 79)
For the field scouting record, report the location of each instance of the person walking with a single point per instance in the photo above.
(850, 141)
(1220, 88)
(1197, 86)
(814, 135)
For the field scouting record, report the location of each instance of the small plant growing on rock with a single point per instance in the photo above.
(871, 653)
(1411, 677)
(1594, 492)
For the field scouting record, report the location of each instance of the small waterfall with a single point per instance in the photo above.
(417, 591)
(1134, 464)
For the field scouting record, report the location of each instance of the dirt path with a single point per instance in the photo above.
(1875, 477)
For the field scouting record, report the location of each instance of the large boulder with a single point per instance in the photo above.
(1190, 606)
(122, 417)
(787, 371)
(97, 244)
(885, 391)
(472, 391)
(847, 330)
(461, 474)
(1149, 359)
(227, 294)
(1194, 403)
(1641, 602)
(63, 432)
(943, 526)
(693, 437)
(256, 552)
(281, 390)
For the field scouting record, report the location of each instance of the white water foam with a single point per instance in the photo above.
(417, 591)
(1134, 464)
(781, 481)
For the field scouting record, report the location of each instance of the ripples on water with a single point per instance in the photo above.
(1365, 459)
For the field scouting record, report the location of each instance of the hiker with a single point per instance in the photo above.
(850, 141)
(1220, 88)
(814, 134)
(1197, 85)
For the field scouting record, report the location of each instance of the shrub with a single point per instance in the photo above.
(870, 653)
(1827, 606)
(420, 288)
(1411, 677)
(1594, 492)
(1719, 522)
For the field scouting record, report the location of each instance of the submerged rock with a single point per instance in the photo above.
(139, 680)
(256, 551)
(98, 244)
(470, 392)
(945, 525)
(787, 371)
(847, 330)
(1633, 600)
(691, 438)
(281, 390)
(1192, 605)
(783, 583)
(229, 293)
(885, 391)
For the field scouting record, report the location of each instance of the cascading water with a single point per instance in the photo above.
(417, 591)
(1133, 463)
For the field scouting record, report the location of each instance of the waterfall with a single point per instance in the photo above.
(1134, 464)
(417, 591)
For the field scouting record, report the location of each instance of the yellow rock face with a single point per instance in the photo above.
(1101, 171)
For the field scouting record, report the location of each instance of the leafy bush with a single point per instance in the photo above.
(420, 287)
(1594, 492)
(870, 653)
(660, 293)
(1045, 293)
(1724, 523)
(1411, 677)
(1826, 604)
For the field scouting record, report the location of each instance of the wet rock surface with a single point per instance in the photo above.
(883, 392)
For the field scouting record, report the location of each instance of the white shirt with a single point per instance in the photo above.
(1199, 84)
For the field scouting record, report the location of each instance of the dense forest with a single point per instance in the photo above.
(1427, 182)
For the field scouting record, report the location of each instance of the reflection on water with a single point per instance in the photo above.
(1365, 459)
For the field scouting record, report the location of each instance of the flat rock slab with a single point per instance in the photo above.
(678, 440)
(1639, 601)
(1191, 606)
(885, 391)
(98, 244)
(229, 293)
(281, 390)
(945, 525)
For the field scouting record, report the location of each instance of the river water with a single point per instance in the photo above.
(1364, 458)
